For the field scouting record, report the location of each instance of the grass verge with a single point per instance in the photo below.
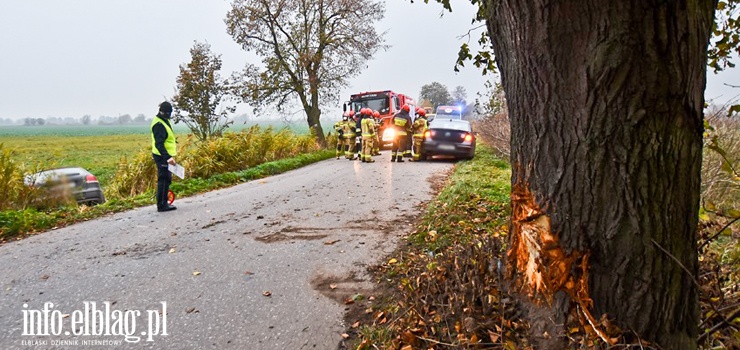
(17, 224)
(440, 289)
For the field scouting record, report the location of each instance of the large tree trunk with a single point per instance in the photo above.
(606, 105)
(313, 115)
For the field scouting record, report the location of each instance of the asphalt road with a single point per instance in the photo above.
(262, 265)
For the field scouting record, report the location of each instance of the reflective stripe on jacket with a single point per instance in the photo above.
(420, 126)
(368, 127)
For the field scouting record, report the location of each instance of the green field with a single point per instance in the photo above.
(99, 154)
(97, 148)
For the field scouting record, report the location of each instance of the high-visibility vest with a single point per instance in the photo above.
(368, 127)
(170, 144)
(401, 125)
(420, 126)
(349, 129)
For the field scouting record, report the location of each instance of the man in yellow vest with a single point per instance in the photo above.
(164, 149)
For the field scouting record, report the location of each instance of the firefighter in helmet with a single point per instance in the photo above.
(339, 128)
(376, 138)
(409, 140)
(402, 125)
(358, 132)
(368, 134)
(420, 127)
(348, 129)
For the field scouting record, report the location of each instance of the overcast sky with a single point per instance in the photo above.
(69, 58)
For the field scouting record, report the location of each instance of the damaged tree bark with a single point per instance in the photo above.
(606, 105)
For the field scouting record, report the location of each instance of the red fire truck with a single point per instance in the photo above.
(387, 103)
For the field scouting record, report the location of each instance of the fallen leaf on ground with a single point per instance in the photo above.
(333, 286)
(331, 242)
(172, 250)
(267, 293)
(196, 273)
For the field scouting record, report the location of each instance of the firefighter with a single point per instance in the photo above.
(420, 127)
(409, 141)
(339, 128)
(402, 125)
(376, 138)
(368, 134)
(358, 132)
(348, 129)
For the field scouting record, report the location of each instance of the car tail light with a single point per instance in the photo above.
(91, 178)
(468, 138)
(427, 134)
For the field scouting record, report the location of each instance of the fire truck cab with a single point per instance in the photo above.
(387, 103)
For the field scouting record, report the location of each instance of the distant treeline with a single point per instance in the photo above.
(124, 119)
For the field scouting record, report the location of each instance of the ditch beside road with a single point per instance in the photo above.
(262, 265)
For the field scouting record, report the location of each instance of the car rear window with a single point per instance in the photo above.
(450, 125)
(449, 112)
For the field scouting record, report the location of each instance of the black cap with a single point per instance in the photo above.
(165, 107)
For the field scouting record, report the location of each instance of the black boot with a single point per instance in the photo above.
(399, 159)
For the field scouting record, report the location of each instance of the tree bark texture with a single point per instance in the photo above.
(314, 123)
(606, 106)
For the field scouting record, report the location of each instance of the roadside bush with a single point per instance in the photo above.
(495, 131)
(719, 274)
(720, 184)
(493, 128)
(234, 151)
(15, 193)
(134, 176)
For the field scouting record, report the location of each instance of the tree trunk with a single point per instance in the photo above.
(606, 106)
(313, 111)
(313, 115)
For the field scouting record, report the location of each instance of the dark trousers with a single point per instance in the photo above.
(399, 146)
(358, 145)
(164, 179)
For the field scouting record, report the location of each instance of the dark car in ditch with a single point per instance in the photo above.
(448, 137)
(72, 181)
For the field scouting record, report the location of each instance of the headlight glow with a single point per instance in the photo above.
(389, 134)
